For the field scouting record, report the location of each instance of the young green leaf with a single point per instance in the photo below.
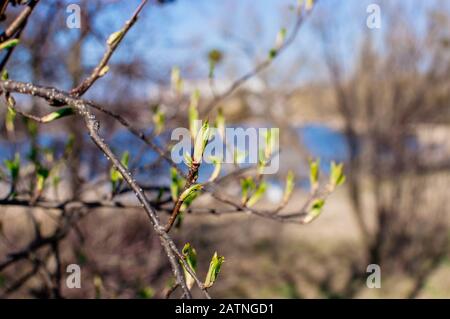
(115, 175)
(11, 101)
(9, 44)
(290, 184)
(193, 113)
(5, 75)
(13, 167)
(257, 194)
(214, 269)
(201, 140)
(337, 176)
(114, 38)
(247, 186)
(188, 201)
(217, 167)
(315, 210)
(314, 170)
(176, 80)
(189, 191)
(176, 184)
(9, 119)
(158, 120)
(188, 159)
(190, 255)
(67, 111)
(272, 138)
(42, 174)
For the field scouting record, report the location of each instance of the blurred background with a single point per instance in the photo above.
(377, 99)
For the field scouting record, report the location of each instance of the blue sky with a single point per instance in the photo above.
(181, 33)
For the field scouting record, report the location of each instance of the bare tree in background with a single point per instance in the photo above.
(33, 183)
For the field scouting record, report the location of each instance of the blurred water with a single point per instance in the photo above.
(324, 143)
(321, 141)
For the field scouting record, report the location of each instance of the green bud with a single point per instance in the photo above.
(257, 194)
(314, 170)
(290, 185)
(337, 176)
(214, 269)
(190, 255)
(9, 44)
(58, 114)
(114, 38)
(315, 211)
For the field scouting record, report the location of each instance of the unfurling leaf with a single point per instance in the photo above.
(158, 120)
(176, 184)
(201, 140)
(290, 184)
(193, 113)
(214, 269)
(247, 186)
(115, 175)
(272, 138)
(5, 75)
(42, 174)
(9, 44)
(257, 194)
(13, 167)
(337, 176)
(315, 210)
(176, 80)
(67, 111)
(9, 119)
(314, 170)
(188, 159)
(187, 202)
(114, 38)
(217, 167)
(11, 101)
(190, 255)
(190, 191)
